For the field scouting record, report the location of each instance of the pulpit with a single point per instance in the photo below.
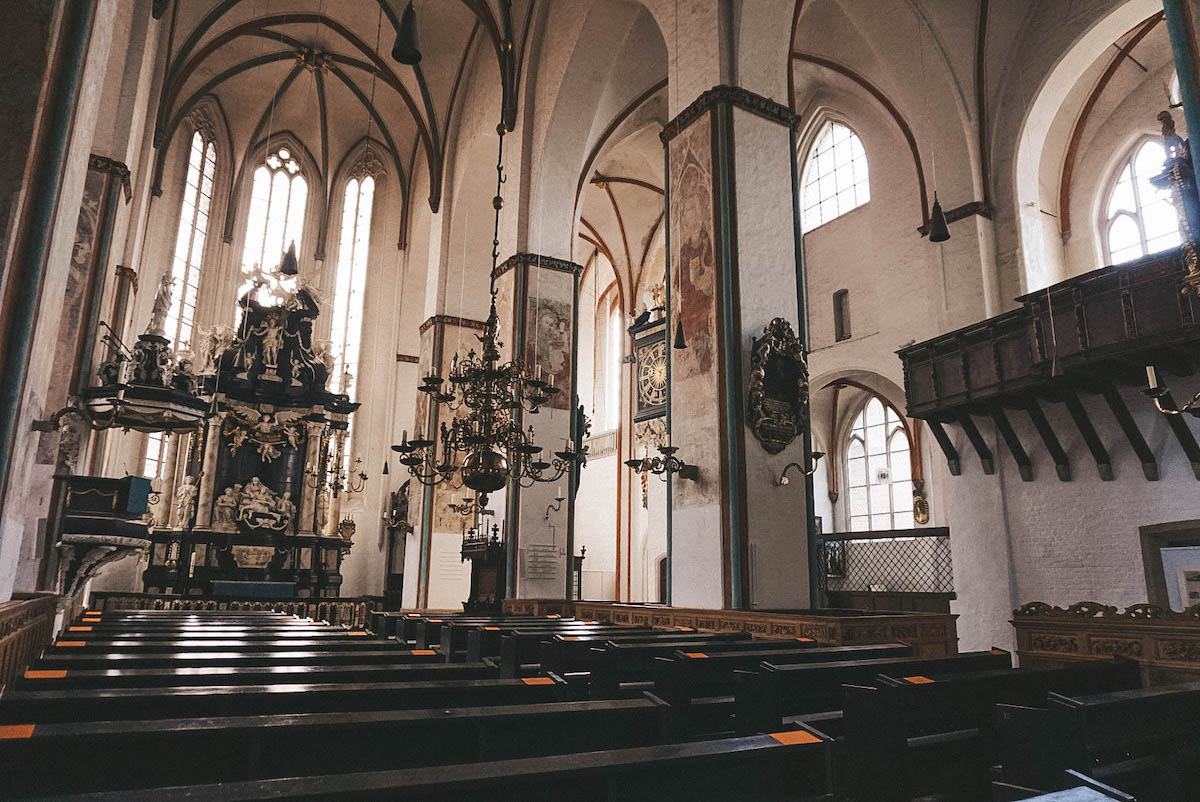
(487, 555)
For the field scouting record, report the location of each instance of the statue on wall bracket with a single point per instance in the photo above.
(778, 402)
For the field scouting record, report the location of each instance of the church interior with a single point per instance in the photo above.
(600, 400)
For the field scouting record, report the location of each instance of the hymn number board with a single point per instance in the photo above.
(650, 373)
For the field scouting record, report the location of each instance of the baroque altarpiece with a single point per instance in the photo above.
(249, 513)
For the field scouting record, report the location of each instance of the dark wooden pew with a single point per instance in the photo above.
(63, 679)
(776, 690)
(689, 675)
(561, 653)
(520, 649)
(199, 657)
(484, 641)
(186, 644)
(96, 636)
(39, 707)
(624, 662)
(1143, 741)
(76, 757)
(759, 767)
(934, 734)
(427, 630)
(454, 637)
(1078, 788)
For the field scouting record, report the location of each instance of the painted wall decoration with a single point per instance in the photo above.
(79, 276)
(548, 337)
(694, 370)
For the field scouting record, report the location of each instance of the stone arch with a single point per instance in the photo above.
(1041, 260)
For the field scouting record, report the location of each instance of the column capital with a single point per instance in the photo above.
(537, 260)
(724, 94)
(451, 320)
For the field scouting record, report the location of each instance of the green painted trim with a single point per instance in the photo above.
(816, 598)
(512, 509)
(670, 333)
(731, 337)
(1183, 49)
(574, 433)
(28, 265)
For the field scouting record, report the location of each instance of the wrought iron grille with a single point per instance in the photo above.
(892, 561)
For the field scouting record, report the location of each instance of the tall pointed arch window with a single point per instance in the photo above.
(835, 176)
(1139, 219)
(186, 262)
(278, 198)
(878, 470)
(351, 281)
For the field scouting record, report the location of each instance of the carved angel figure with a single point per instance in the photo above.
(212, 343)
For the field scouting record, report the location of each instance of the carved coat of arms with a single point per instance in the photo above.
(778, 408)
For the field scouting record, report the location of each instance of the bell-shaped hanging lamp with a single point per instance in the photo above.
(679, 343)
(938, 230)
(289, 266)
(406, 50)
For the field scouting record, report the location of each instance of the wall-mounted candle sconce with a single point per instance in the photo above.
(783, 477)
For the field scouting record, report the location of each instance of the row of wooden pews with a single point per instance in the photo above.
(247, 706)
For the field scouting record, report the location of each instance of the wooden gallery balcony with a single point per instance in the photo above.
(1088, 335)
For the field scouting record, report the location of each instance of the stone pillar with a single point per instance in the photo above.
(48, 112)
(169, 483)
(208, 471)
(736, 538)
(442, 579)
(538, 306)
(308, 493)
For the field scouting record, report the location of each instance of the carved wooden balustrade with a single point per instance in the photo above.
(351, 611)
(26, 626)
(930, 634)
(1165, 643)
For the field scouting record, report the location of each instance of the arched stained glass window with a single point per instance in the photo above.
(878, 470)
(186, 262)
(835, 176)
(278, 197)
(1139, 219)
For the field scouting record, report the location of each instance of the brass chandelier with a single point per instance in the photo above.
(484, 447)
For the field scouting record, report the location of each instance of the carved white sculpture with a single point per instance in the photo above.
(256, 498)
(185, 496)
(225, 508)
(322, 511)
(162, 304)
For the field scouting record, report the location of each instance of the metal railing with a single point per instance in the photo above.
(889, 561)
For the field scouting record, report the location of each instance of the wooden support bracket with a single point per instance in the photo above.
(981, 447)
(1009, 435)
(1062, 465)
(1187, 441)
(1088, 432)
(943, 439)
(1132, 432)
